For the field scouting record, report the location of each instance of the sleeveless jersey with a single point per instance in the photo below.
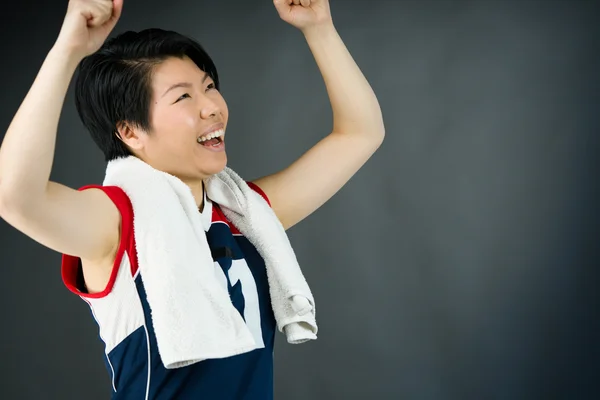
(125, 327)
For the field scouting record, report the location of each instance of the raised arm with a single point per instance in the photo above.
(80, 223)
(358, 128)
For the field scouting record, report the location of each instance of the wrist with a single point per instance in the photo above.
(68, 56)
(319, 31)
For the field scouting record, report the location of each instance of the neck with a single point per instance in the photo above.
(197, 188)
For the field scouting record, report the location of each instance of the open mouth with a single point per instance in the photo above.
(213, 139)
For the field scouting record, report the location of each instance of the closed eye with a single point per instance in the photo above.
(184, 96)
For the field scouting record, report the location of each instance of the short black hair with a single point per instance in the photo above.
(114, 84)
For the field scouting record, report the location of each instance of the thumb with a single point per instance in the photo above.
(117, 9)
(114, 18)
(282, 5)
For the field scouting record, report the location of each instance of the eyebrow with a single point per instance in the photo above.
(183, 85)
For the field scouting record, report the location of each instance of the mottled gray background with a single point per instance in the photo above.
(459, 263)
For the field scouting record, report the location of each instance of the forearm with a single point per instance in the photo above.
(354, 104)
(27, 151)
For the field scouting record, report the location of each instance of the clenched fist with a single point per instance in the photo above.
(304, 14)
(87, 25)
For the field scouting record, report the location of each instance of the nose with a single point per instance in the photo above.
(209, 109)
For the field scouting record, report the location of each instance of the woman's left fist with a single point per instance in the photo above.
(304, 14)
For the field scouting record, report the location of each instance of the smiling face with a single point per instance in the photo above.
(188, 117)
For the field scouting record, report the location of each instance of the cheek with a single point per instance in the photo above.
(223, 107)
(225, 110)
(190, 120)
(175, 119)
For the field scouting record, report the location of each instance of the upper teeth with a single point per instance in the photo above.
(211, 135)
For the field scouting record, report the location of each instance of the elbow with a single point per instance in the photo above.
(12, 204)
(376, 130)
(13, 210)
(379, 136)
(19, 197)
(3, 200)
(376, 126)
(377, 142)
(5, 207)
(381, 129)
(7, 203)
(373, 140)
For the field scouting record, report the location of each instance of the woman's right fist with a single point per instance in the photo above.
(87, 25)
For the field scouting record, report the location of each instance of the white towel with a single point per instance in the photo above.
(192, 313)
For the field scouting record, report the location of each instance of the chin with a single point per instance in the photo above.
(213, 167)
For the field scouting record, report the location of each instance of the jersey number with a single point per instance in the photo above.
(240, 272)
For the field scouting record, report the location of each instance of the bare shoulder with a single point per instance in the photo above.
(80, 223)
(97, 271)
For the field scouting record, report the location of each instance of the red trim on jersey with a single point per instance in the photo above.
(258, 190)
(219, 216)
(71, 265)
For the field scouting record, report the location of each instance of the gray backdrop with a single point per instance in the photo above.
(459, 263)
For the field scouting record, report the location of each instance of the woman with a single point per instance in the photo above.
(154, 95)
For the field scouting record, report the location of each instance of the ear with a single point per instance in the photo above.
(132, 137)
